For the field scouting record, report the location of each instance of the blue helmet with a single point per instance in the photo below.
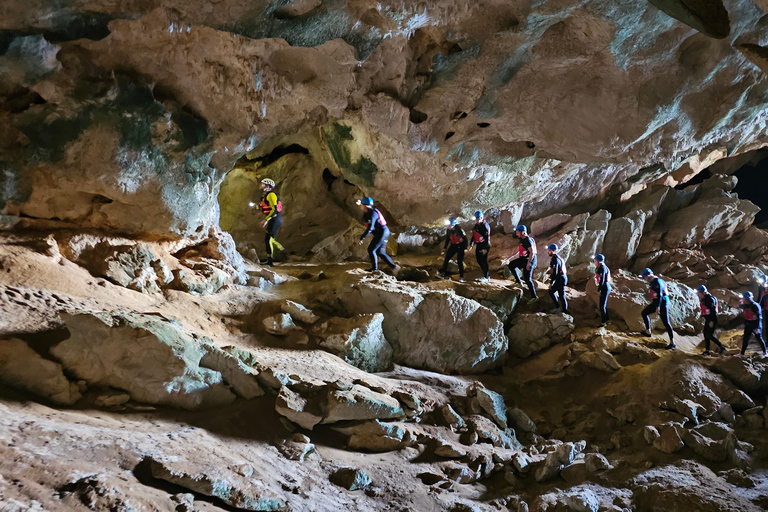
(701, 288)
(478, 214)
(522, 228)
(452, 221)
(366, 201)
(552, 247)
(763, 279)
(646, 272)
(747, 295)
(599, 257)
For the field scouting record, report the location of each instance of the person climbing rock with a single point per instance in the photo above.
(709, 312)
(657, 289)
(272, 207)
(752, 320)
(455, 245)
(376, 225)
(603, 282)
(558, 278)
(481, 239)
(526, 260)
(762, 300)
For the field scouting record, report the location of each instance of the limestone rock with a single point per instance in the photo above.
(297, 447)
(152, 359)
(242, 493)
(351, 479)
(299, 312)
(360, 403)
(359, 341)
(132, 266)
(596, 462)
(297, 409)
(435, 330)
(23, 368)
(203, 280)
(112, 399)
(623, 238)
(708, 221)
(520, 421)
(601, 360)
(242, 378)
(279, 325)
(374, 436)
(491, 402)
(669, 441)
(533, 332)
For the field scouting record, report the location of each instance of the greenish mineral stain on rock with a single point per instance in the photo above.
(338, 137)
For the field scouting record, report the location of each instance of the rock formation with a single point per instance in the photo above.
(149, 361)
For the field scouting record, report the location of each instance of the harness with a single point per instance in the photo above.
(477, 237)
(522, 251)
(705, 311)
(662, 293)
(598, 275)
(456, 238)
(749, 314)
(382, 220)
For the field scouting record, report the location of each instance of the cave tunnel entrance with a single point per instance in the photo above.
(318, 208)
(753, 185)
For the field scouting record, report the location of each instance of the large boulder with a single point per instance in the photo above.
(533, 332)
(23, 368)
(623, 238)
(152, 359)
(704, 222)
(134, 266)
(359, 341)
(435, 330)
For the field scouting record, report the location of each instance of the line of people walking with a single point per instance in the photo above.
(755, 312)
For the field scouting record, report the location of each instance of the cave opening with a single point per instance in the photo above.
(753, 186)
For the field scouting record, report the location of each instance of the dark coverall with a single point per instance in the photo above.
(481, 239)
(602, 280)
(709, 314)
(659, 301)
(763, 302)
(376, 225)
(558, 280)
(524, 252)
(455, 244)
(752, 320)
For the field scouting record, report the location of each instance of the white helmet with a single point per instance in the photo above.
(268, 182)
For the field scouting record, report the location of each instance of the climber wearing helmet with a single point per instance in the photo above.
(657, 289)
(709, 312)
(752, 316)
(526, 260)
(455, 244)
(376, 225)
(558, 279)
(272, 207)
(481, 237)
(603, 282)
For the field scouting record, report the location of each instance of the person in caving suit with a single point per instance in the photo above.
(455, 244)
(558, 278)
(481, 239)
(526, 260)
(657, 290)
(376, 226)
(762, 300)
(709, 312)
(752, 321)
(603, 282)
(272, 207)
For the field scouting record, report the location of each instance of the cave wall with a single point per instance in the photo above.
(129, 116)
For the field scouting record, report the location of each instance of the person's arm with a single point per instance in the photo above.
(531, 252)
(371, 224)
(447, 239)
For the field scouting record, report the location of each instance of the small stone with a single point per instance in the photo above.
(449, 417)
(650, 434)
(350, 478)
(596, 462)
(299, 312)
(520, 421)
(279, 325)
(669, 441)
(112, 399)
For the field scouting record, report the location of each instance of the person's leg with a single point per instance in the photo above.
(651, 308)
(745, 340)
(664, 314)
(382, 250)
(563, 298)
(516, 264)
(553, 288)
(481, 254)
(707, 336)
(760, 340)
(277, 222)
(528, 276)
(448, 255)
(460, 261)
(714, 338)
(604, 292)
(373, 248)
